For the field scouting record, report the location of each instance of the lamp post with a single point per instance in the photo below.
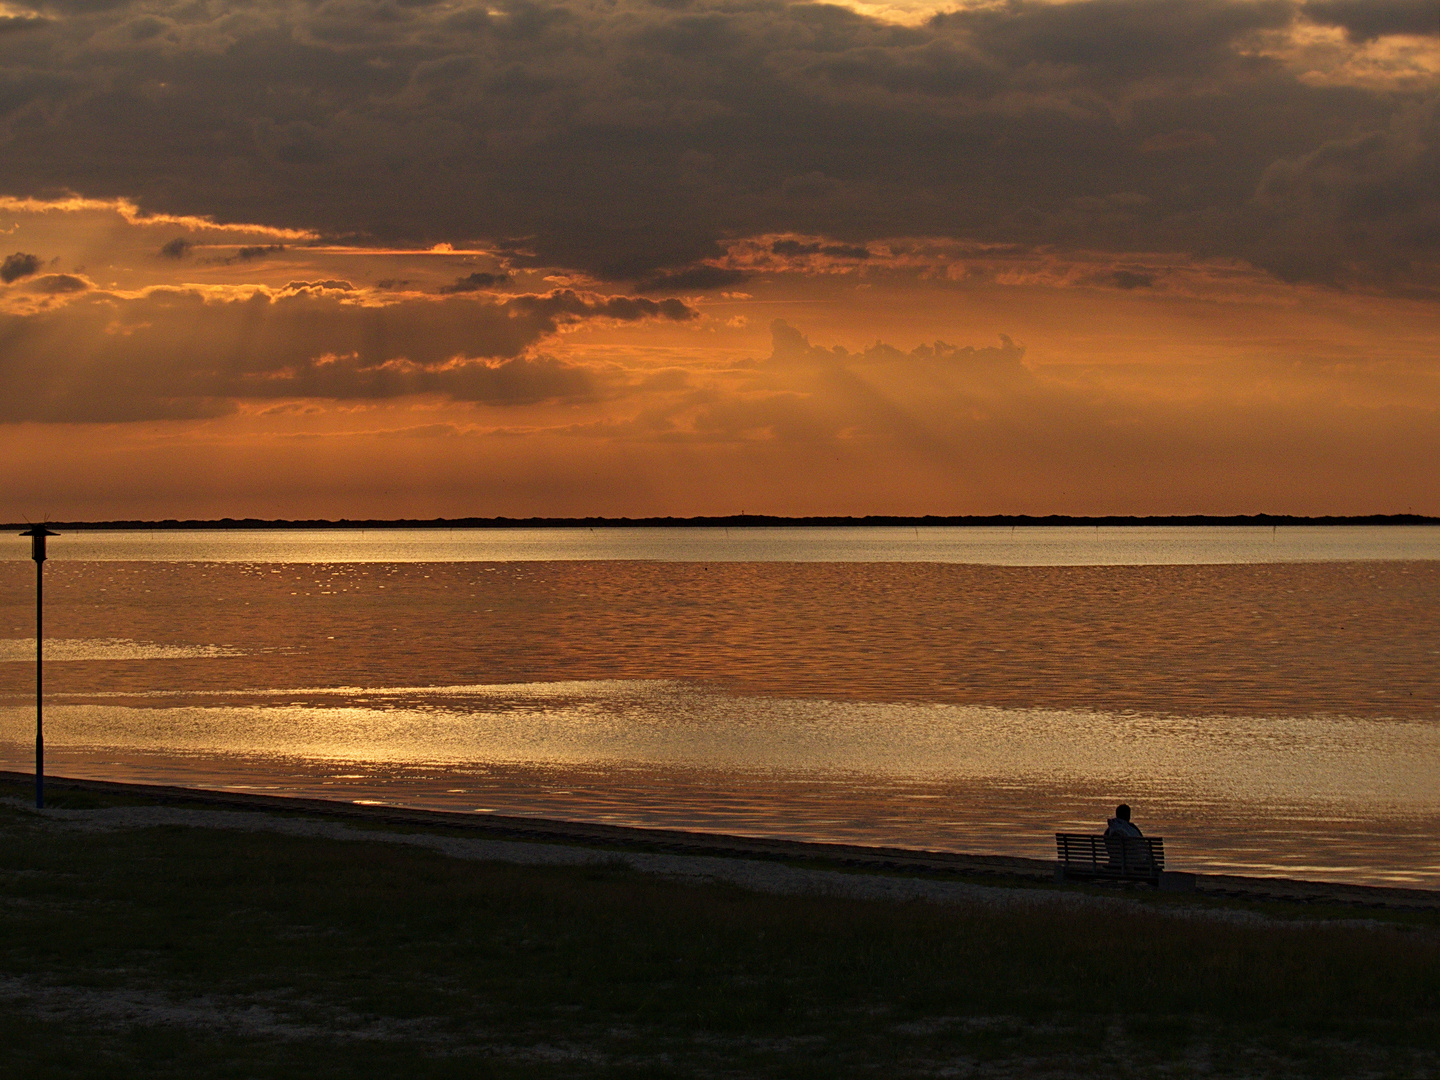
(37, 534)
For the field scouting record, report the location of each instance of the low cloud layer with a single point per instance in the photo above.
(185, 353)
(633, 141)
(1367, 20)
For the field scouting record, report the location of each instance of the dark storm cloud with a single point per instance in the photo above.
(632, 140)
(183, 353)
(1132, 279)
(254, 252)
(1125, 38)
(180, 247)
(1376, 192)
(17, 266)
(700, 278)
(839, 251)
(562, 304)
(475, 282)
(1366, 20)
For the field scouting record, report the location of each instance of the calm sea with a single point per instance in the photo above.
(1025, 546)
(1266, 700)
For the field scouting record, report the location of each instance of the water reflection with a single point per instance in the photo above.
(1357, 796)
(995, 546)
(70, 649)
(1254, 712)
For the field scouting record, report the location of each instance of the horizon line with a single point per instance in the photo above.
(744, 521)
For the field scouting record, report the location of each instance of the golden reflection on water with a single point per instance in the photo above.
(1241, 708)
(63, 650)
(1280, 639)
(678, 726)
(1034, 545)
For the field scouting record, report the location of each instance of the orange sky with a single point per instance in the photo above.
(1110, 256)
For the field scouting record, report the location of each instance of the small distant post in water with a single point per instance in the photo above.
(37, 534)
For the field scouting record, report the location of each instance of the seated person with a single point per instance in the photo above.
(1120, 824)
(1120, 836)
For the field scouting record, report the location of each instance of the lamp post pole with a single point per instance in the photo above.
(37, 534)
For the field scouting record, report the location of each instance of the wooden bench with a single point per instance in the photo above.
(1110, 858)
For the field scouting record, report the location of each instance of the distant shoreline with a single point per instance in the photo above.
(741, 521)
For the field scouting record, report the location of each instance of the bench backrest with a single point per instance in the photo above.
(1125, 854)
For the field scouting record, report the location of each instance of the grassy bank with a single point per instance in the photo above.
(190, 952)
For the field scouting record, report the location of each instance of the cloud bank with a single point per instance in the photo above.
(651, 256)
(632, 140)
(189, 353)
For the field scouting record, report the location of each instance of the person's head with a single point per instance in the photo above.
(1122, 812)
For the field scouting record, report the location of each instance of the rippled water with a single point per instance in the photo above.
(1272, 717)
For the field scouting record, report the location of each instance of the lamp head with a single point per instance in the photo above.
(37, 534)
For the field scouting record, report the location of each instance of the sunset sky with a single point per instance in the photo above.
(381, 258)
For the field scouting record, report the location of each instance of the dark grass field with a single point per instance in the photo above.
(187, 952)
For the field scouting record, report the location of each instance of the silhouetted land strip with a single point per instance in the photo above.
(193, 951)
(740, 521)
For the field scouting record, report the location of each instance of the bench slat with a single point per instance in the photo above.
(1136, 858)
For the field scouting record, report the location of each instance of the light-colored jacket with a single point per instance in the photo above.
(1120, 827)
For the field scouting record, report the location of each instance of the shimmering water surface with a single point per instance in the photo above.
(1130, 545)
(1266, 709)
